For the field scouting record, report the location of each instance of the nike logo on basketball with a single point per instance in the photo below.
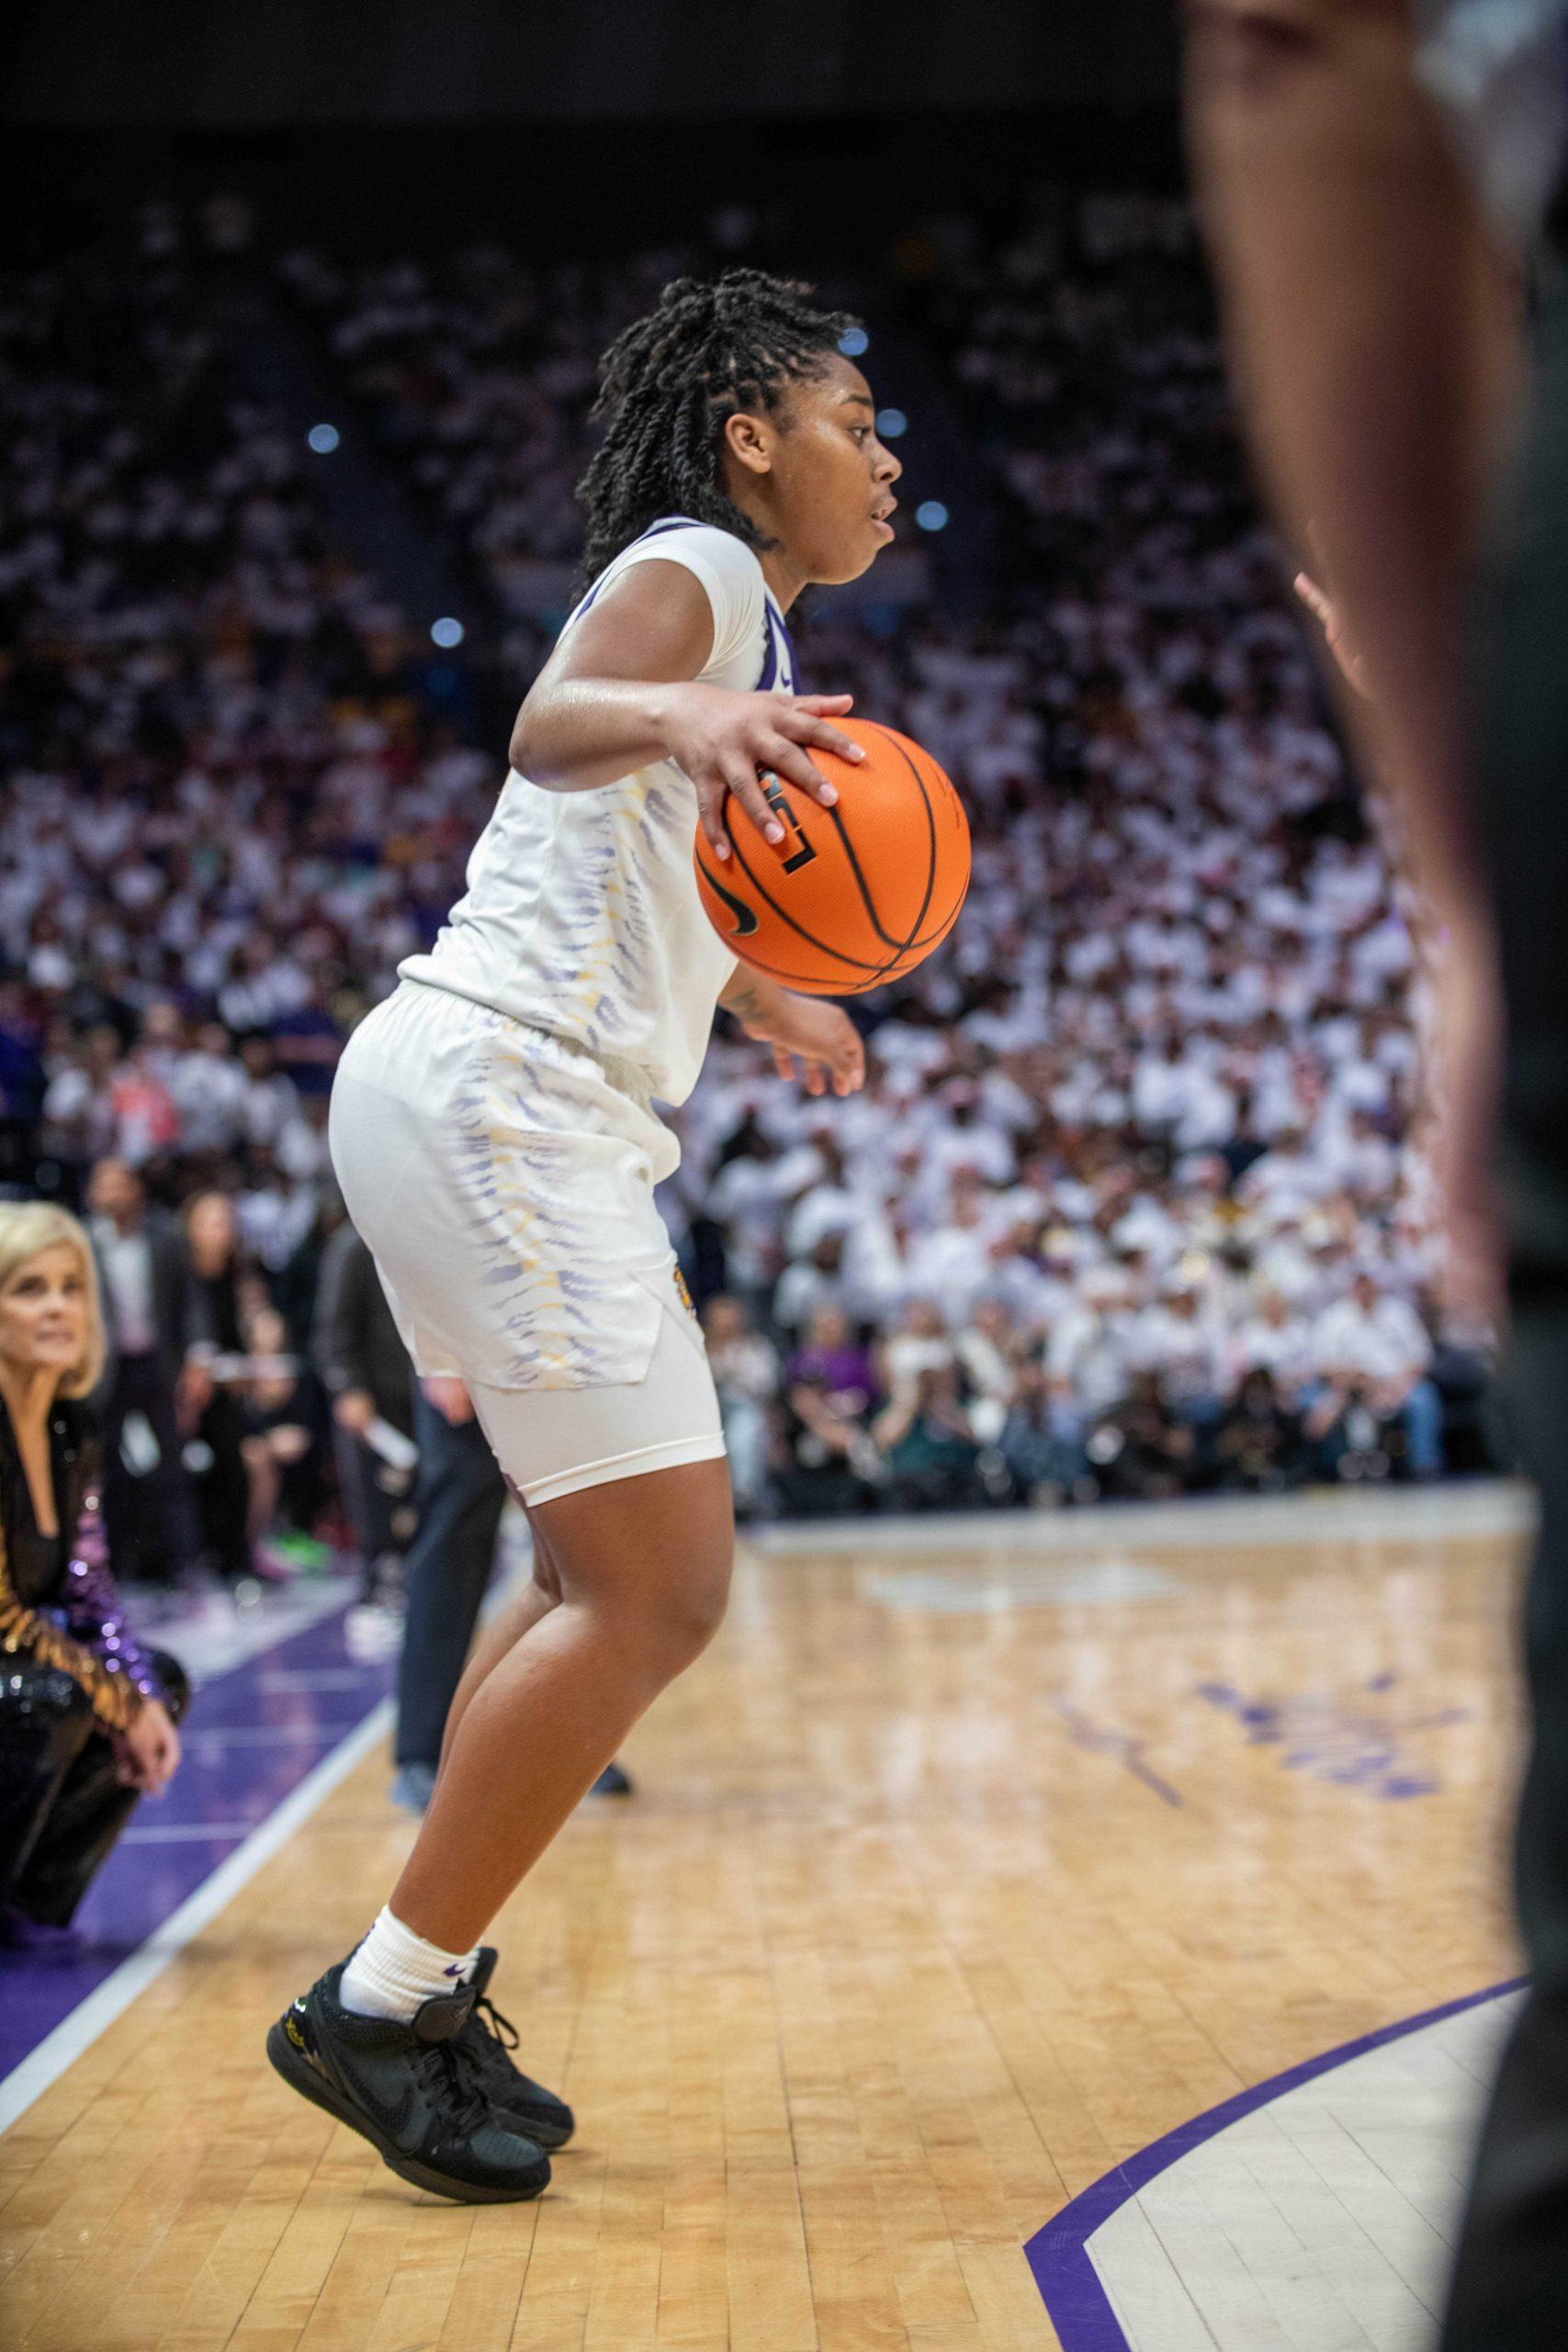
(745, 920)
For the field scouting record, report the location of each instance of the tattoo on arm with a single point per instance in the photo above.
(746, 1002)
(747, 996)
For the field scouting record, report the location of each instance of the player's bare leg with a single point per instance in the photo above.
(516, 1617)
(643, 1567)
(630, 1582)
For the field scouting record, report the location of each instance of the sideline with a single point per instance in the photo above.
(1200, 1523)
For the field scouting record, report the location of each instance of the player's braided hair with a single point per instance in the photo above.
(667, 385)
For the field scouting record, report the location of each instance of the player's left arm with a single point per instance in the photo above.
(807, 1030)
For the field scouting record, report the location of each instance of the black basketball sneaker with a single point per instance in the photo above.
(490, 2039)
(414, 2091)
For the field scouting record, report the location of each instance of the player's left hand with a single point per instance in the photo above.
(815, 1041)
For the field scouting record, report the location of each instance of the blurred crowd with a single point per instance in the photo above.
(1138, 1202)
(476, 370)
(1136, 1199)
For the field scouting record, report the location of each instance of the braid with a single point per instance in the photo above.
(668, 384)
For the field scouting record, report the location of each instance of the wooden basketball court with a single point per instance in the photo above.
(973, 1859)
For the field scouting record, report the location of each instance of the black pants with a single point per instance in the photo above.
(62, 1806)
(150, 1516)
(381, 1505)
(1510, 2291)
(460, 1495)
(222, 1487)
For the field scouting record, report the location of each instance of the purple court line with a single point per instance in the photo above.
(232, 1777)
(1077, 2305)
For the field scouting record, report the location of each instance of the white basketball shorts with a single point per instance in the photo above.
(503, 1180)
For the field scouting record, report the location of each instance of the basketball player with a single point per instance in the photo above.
(1360, 251)
(493, 1133)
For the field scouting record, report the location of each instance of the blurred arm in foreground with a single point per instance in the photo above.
(1373, 344)
(1373, 337)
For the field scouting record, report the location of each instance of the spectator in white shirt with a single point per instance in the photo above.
(1361, 1158)
(209, 1087)
(922, 1343)
(1182, 1343)
(1279, 1340)
(1033, 1290)
(743, 1199)
(814, 1280)
(271, 1099)
(78, 1106)
(816, 1187)
(1286, 1180)
(1087, 1353)
(987, 1355)
(1375, 1350)
(1282, 1261)
(745, 1369)
(952, 1262)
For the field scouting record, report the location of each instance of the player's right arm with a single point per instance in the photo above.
(620, 691)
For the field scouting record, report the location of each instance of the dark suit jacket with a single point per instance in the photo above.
(355, 1340)
(173, 1304)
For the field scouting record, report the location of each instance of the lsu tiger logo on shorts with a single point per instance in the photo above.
(682, 1294)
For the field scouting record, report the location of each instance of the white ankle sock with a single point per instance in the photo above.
(394, 1972)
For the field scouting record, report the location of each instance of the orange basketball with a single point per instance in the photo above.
(853, 894)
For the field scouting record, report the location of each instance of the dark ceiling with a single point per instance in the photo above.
(218, 65)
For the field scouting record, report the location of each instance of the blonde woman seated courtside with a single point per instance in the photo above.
(86, 1717)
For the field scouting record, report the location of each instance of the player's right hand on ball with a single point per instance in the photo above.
(726, 741)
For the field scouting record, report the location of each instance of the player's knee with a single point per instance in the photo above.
(701, 1609)
(677, 1616)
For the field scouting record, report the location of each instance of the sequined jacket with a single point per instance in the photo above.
(79, 1624)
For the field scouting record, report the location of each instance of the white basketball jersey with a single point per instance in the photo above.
(582, 913)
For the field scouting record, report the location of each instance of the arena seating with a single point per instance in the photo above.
(1138, 1198)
